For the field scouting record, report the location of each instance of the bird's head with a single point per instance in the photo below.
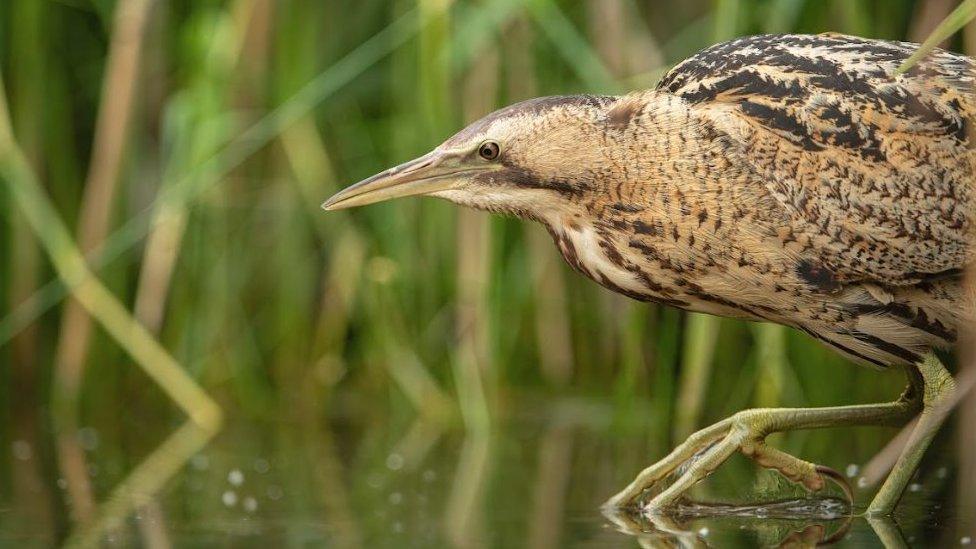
(530, 159)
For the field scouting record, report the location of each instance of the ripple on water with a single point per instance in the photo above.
(805, 508)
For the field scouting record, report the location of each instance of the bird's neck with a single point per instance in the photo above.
(654, 148)
(659, 143)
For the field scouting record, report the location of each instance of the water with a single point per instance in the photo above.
(536, 480)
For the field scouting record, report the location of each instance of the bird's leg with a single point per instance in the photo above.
(937, 394)
(746, 432)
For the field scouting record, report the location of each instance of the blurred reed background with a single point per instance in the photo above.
(187, 144)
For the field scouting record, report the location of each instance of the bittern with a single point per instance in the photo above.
(794, 179)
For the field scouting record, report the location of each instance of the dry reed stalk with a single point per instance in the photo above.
(957, 19)
(111, 128)
(928, 14)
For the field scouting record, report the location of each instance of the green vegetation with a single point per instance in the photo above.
(245, 116)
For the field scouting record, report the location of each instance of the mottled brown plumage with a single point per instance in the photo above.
(871, 176)
(787, 178)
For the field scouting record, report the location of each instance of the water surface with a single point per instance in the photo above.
(535, 478)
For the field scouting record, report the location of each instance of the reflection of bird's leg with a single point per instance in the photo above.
(674, 532)
(810, 536)
(937, 393)
(660, 531)
(746, 432)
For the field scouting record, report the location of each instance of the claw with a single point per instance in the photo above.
(838, 479)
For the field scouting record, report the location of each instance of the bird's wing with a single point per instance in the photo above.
(876, 167)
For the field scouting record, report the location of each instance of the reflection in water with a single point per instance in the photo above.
(462, 517)
(888, 532)
(360, 479)
(794, 523)
(331, 486)
(654, 530)
(553, 478)
(143, 483)
(152, 526)
(74, 470)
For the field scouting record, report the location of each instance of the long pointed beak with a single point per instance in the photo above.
(430, 173)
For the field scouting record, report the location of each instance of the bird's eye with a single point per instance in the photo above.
(488, 150)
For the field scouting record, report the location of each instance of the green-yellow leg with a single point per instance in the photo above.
(937, 394)
(746, 432)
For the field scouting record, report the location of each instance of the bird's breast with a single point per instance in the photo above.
(664, 270)
(598, 255)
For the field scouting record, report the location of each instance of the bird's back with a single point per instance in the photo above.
(881, 162)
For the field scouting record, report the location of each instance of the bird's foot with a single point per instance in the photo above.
(707, 449)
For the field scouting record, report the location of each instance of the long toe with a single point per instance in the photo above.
(695, 445)
(811, 476)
